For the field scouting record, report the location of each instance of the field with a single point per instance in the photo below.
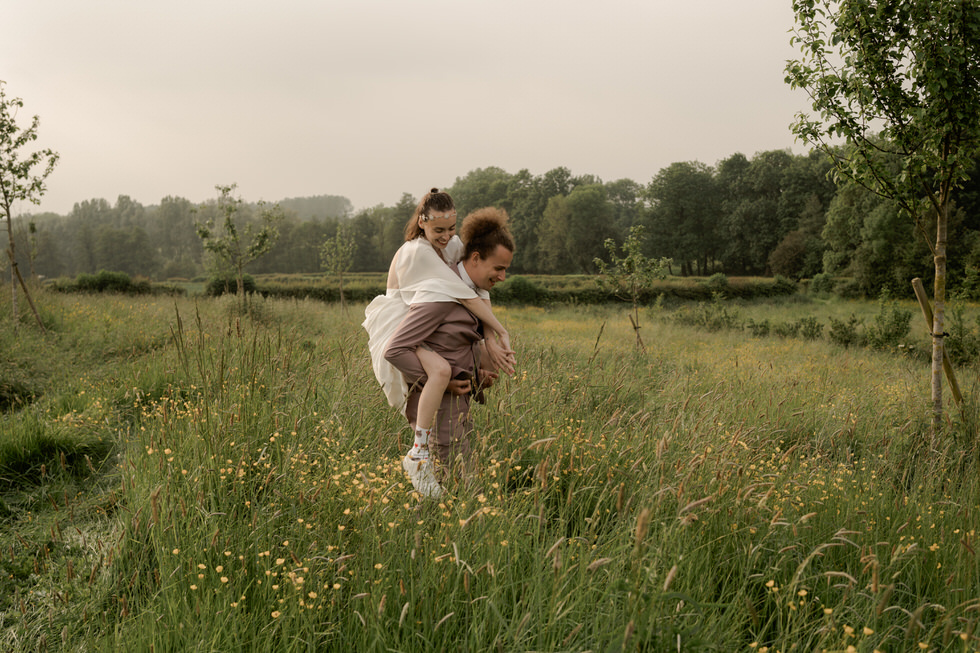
(177, 476)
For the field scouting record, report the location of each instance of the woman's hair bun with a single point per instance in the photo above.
(434, 190)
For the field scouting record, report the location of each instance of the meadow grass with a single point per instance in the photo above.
(189, 478)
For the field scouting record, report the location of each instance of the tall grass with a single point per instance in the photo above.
(719, 492)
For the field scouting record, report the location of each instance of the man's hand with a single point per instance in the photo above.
(487, 377)
(459, 386)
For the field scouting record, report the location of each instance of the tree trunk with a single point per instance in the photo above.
(27, 295)
(13, 298)
(926, 306)
(16, 277)
(636, 329)
(938, 318)
(13, 279)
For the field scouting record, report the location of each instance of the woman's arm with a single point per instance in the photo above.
(500, 352)
(393, 272)
(481, 309)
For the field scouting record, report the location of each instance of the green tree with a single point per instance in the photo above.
(526, 210)
(480, 188)
(590, 225)
(527, 204)
(126, 250)
(393, 221)
(631, 275)
(627, 201)
(684, 216)
(175, 236)
(19, 183)
(733, 187)
(317, 207)
(573, 230)
(800, 253)
(842, 229)
(85, 219)
(128, 213)
(899, 79)
(367, 230)
(51, 258)
(233, 248)
(552, 238)
(297, 249)
(337, 257)
(886, 258)
(788, 257)
(756, 222)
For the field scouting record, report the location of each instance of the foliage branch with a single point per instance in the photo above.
(18, 182)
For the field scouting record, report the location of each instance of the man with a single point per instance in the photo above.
(454, 333)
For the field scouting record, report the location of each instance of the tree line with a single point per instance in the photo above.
(773, 213)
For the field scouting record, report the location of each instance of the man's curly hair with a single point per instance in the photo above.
(484, 230)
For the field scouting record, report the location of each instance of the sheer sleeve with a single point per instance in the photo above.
(424, 277)
(454, 250)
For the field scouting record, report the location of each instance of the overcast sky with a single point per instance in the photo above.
(370, 99)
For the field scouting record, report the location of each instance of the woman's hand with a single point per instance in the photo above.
(501, 355)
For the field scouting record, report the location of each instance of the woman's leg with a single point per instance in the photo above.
(437, 372)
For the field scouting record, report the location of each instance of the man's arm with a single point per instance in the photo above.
(422, 320)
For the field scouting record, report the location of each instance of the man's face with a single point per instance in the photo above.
(486, 272)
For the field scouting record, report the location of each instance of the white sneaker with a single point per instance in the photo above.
(423, 479)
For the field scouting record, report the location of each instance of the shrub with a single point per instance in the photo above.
(220, 284)
(519, 290)
(713, 316)
(114, 282)
(844, 333)
(890, 325)
(810, 328)
(963, 343)
(758, 329)
(783, 286)
(787, 329)
(104, 281)
(822, 284)
(718, 281)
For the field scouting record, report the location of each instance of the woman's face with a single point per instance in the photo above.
(439, 228)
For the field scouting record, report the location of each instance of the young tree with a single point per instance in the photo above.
(630, 275)
(896, 81)
(337, 257)
(19, 183)
(234, 249)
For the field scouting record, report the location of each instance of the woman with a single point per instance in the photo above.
(421, 272)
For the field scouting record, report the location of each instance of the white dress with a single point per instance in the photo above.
(422, 276)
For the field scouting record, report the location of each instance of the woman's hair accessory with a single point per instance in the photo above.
(450, 214)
